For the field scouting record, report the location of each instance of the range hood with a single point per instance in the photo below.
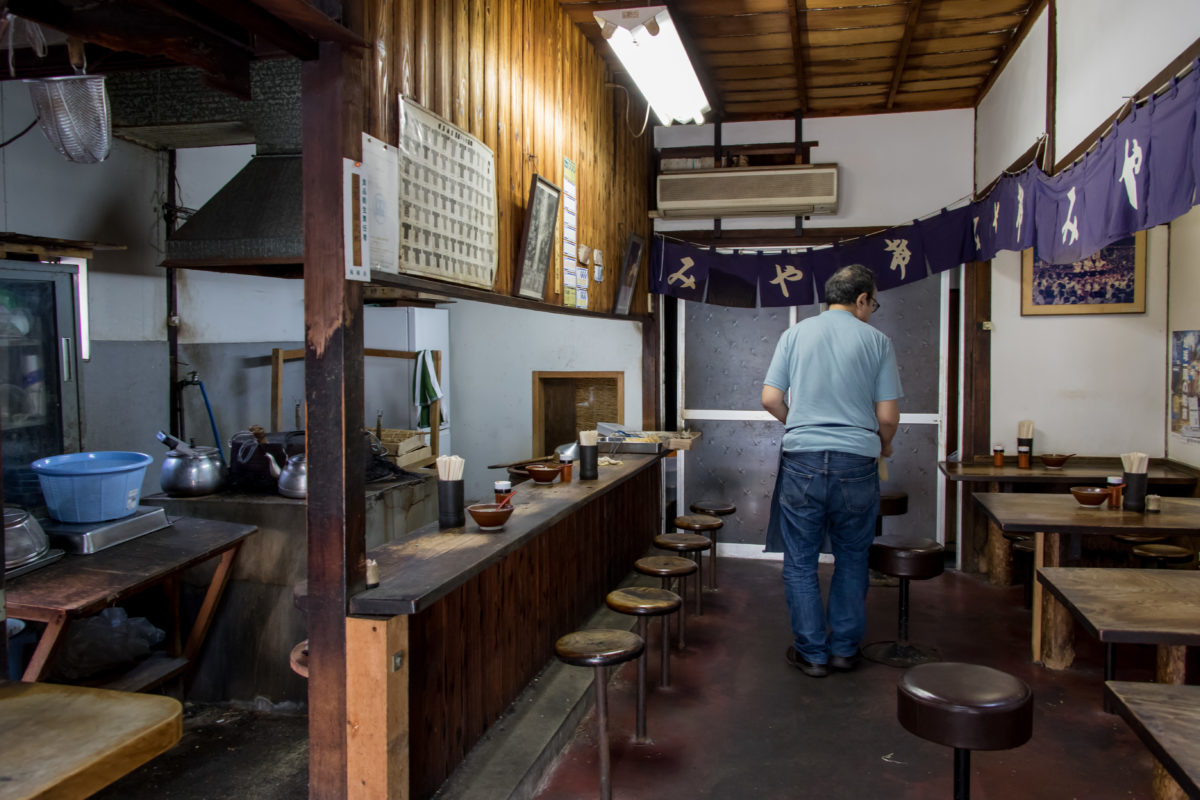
(254, 221)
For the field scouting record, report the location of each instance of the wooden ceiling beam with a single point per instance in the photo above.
(910, 25)
(797, 20)
(308, 19)
(139, 29)
(267, 26)
(1010, 49)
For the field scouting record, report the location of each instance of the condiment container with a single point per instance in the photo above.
(1153, 504)
(502, 489)
(1022, 457)
(566, 464)
(1116, 486)
(997, 455)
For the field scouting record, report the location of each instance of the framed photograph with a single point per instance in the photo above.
(631, 263)
(537, 240)
(1110, 281)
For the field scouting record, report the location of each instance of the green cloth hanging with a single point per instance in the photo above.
(425, 388)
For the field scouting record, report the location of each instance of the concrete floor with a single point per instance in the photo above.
(738, 722)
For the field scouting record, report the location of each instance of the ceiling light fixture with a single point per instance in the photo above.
(649, 47)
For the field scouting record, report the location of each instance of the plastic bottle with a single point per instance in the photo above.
(34, 381)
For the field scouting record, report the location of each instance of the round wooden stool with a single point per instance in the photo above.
(967, 707)
(643, 602)
(891, 504)
(704, 524)
(689, 544)
(1139, 538)
(905, 559)
(669, 568)
(1163, 556)
(600, 649)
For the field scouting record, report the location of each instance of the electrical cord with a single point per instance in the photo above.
(28, 128)
(645, 121)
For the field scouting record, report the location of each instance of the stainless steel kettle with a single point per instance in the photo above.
(190, 471)
(293, 478)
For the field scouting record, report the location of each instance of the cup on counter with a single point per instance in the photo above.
(450, 505)
(1135, 491)
(588, 462)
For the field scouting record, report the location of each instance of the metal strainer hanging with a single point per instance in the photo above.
(74, 115)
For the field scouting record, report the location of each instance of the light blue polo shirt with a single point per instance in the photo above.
(836, 367)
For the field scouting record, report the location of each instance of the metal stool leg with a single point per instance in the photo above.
(666, 650)
(601, 683)
(712, 561)
(666, 584)
(962, 774)
(699, 556)
(641, 688)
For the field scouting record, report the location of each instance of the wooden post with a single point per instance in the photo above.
(1058, 636)
(332, 120)
(999, 557)
(377, 703)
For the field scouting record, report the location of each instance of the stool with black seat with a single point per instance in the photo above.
(713, 508)
(690, 545)
(670, 568)
(967, 707)
(906, 559)
(704, 525)
(891, 504)
(1163, 556)
(644, 602)
(600, 648)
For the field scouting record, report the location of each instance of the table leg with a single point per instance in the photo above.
(211, 598)
(1171, 665)
(1039, 548)
(1058, 635)
(999, 557)
(43, 655)
(1165, 787)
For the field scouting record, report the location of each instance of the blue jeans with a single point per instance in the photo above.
(838, 493)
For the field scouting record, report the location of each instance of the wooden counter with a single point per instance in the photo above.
(258, 626)
(1076, 472)
(462, 620)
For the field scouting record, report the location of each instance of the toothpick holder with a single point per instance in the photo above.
(588, 458)
(1135, 492)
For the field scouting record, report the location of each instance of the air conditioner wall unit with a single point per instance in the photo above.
(799, 190)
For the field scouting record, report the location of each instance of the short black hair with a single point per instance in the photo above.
(845, 285)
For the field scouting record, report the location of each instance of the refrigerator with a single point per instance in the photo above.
(39, 375)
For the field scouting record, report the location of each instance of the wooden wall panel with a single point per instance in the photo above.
(476, 649)
(523, 78)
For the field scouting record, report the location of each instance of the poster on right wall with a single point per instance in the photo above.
(1185, 385)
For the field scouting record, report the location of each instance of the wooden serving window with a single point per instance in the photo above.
(565, 403)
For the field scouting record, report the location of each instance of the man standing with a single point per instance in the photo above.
(842, 416)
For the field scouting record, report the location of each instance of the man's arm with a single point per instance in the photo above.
(888, 414)
(775, 402)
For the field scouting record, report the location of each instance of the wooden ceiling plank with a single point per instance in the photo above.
(879, 90)
(942, 10)
(852, 36)
(761, 96)
(1007, 24)
(712, 8)
(951, 59)
(851, 52)
(910, 25)
(785, 82)
(752, 110)
(861, 17)
(957, 44)
(849, 67)
(797, 21)
(739, 44)
(940, 83)
(254, 19)
(742, 24)
(774, 56)
(304, 17)
(851, 79)
(754, 73)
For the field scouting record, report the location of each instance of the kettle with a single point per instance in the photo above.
(189, 471)
(293, 478)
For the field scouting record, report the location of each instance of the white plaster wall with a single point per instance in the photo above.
(1093, 385)
(892, 168)
(115, 202)
(496, 349)
(215, 307)
(1107, 50)
(1012, 115)
(1183, 312)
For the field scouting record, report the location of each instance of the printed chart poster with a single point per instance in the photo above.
(571, 280)
(1185, 385)
(447, 200)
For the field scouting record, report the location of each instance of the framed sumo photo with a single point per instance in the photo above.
(1110, 281)
(537, 240)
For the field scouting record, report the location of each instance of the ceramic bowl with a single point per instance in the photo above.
(543, 473)
(1054, 460)
(1089, 495)
(489, 516)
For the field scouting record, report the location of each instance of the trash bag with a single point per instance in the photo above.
(105, 641)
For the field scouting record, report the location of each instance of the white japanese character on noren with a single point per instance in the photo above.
(685, 281)
(1131, 169)
(785, 274)
(1070, 228)
(900, 254)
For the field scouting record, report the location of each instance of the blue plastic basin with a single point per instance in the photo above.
(92, 487)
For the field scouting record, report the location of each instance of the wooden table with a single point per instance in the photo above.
(68, 742)
(1167, 720)
(81, 585)
(1162, 478)
(1048, 516)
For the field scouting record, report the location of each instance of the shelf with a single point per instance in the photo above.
(149, 673)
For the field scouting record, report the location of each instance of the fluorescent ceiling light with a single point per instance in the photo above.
(646, 42)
